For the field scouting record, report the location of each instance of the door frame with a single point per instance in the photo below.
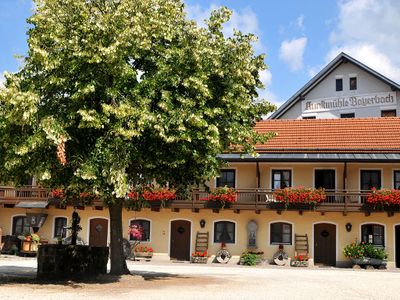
(394, 242)
(88, 228)
(337, 237)
(169, 234)
(326, 168)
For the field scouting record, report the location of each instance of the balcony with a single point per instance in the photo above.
(247, 199)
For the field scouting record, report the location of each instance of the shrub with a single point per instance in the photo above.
(375, 252)
(249, 259)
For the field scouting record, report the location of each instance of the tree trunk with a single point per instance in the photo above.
(118, 263)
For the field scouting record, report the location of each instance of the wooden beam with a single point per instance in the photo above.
(345, 213)
(367, 213)
(155, 208)
(236, 211)
(175, 209)
(196, 210)
(300, 212)
(257, 211)
(322, 213)
(216, 210)
(279, 212)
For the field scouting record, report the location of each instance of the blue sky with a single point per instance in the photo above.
(298, 37)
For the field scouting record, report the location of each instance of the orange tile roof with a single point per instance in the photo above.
(358, 135)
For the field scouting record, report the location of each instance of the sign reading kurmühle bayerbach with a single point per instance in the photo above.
(349, 102)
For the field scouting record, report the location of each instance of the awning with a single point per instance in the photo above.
(32, 204)
(312, 157)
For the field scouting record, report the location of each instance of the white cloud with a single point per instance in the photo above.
(244, 20)
(369, 30)
(292, 52)
(299, 22)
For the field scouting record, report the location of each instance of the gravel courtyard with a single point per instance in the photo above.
(166, 280)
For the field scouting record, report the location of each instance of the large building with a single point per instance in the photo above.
(345, 156)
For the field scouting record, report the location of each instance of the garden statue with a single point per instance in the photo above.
(75, 227)
(251, 234)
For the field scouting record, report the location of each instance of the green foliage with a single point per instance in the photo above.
(375, 252)
(361, 250)
(250, 259)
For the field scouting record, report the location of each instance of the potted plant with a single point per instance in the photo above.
(297, 198)
(199, 257)
(221, 197)
(300, 261)
(30, 242)
(365, 254)
(251, 258)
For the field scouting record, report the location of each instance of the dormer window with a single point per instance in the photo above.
(353, 83)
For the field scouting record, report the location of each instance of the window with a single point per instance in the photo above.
(347, 116)
(224, 232)
(388, 113)
(281, 179)
(145, 224)
(353, 83)
(281, 233)
(339, 84)
(59, 224)
(373, 234)
(370, 179)
(227, 178)
(309, 118)
(396, 180)
(325, 179)
(20, 225)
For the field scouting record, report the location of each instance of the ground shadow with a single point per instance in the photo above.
(27, 275)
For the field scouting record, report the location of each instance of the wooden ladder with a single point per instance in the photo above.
(301, 244)
(201, 241)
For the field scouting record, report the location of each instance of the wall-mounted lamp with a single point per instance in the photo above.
(202, 223)
(348, 227)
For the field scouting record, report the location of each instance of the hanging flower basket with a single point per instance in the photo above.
(297, 198)
(221, 197)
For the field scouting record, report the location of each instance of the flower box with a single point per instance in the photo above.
(217, 204)
(298, 263)
(145, 255)
(367, 261)
(198, 259)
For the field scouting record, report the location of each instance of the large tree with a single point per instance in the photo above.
(113, 92)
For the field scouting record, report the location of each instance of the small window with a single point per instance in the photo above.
(373, 234)
(353, 83)
(281, 233)
(309, 118)
(339, 84)
(224, 232)
(145, 224)
(347, 116)
(370, 179)
(20, 225)
(281, 179)
(396, 180)
(388, 113)
(59, 224)
(227, 178)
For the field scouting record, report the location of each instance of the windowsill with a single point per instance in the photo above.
(277, 244)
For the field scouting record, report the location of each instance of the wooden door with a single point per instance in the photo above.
(325, 244)
(397, 243)
(98, 232)
(180, 240)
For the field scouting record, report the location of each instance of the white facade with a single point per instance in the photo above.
(321, 100)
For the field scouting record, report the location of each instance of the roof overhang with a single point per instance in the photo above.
(313, 157)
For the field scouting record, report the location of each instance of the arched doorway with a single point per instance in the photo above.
(181, 231)
(325, 244)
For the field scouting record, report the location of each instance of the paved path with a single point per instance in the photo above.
(166, 280)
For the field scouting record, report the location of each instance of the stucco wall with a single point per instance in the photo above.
(303, 173)
(160, 226)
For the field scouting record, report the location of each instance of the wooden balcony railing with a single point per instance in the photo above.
(247, 199)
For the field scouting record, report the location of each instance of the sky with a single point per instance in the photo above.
(298, 37)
